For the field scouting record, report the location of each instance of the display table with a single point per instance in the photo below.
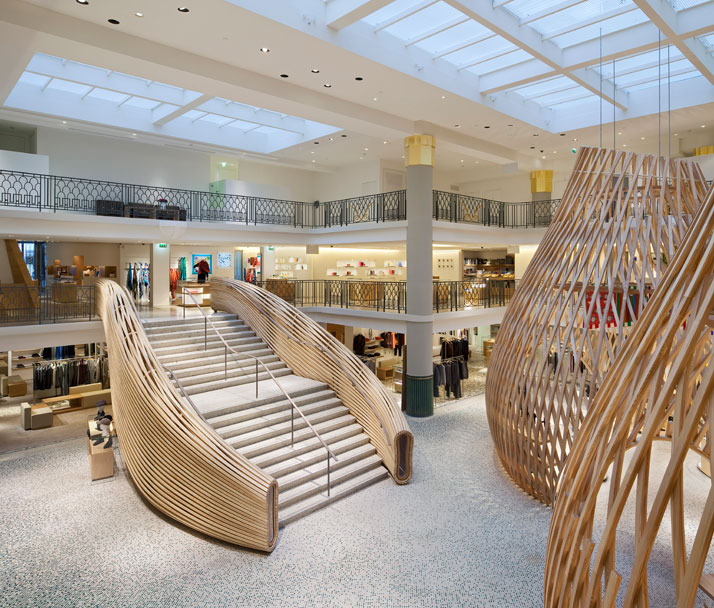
(200, 291)
(101, 459)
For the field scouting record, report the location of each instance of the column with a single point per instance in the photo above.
(541, 185)
(160, 262)
(419, 160)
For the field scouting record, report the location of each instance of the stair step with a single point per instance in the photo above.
(268, 440)
(197, 375)
(350, 484)
(189, 340)
(191, 326)
(287, 452)
(284, 414)
(180, 354)
(234, 381)
(246, 365)
(218, 316)
(266, 407)
(314, 465)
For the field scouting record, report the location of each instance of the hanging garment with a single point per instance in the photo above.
(358, 343)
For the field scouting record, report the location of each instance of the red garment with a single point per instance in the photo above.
(203, 267)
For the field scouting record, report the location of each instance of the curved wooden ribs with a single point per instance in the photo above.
(664, 370)
(313, 353)
(178, 463)
(620, 221)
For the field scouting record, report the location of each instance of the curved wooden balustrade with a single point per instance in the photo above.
(179, 463)
(313, 353)
(621, 219)
(662, 380)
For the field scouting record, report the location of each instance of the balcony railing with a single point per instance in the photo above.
(453, 207)
(80, 195)
(21, 305)
(390, 296)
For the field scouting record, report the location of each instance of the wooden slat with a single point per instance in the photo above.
(179, 463)
(310, 351)
(663, 369)
(621, 219)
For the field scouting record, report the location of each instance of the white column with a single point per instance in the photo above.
(160, 260)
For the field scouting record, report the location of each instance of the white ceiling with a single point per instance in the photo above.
(215, 49)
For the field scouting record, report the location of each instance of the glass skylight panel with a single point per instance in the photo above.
(504, 61)
(390, 11)
(607, 26)
(692, 73)
(242, 125)
(544, 87)
(423, 21)
(193, 114)
(640, 61)
(68, 87)
(652, 73)
(523, 9)
(141, 103)
(583, 12)
(106, 95)
(576, 104)
(679, 5)
(453, 36)
(708, 42)
(576, 93)
(30, 78)
(481, 51)
(215, 119)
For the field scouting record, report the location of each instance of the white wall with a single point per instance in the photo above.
(329, 256)
(364, 177)
(706, 163)
(273, 181)
(19, 161)
(95, 254)
(75, 154)
(523, 258)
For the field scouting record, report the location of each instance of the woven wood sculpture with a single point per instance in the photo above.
(178, 462)
(660, 387)
(312, 352)
(621, 219)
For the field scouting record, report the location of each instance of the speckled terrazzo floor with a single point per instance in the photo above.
(460, 534)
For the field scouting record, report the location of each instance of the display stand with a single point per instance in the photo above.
(101, 459)
(200, 291)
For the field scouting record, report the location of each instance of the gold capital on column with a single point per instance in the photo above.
(419, 150)
(542, 180)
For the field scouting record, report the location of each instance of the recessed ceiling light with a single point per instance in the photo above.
(182, 9)
(327, 85)
(488, 126)
(313, 160)
(532, 147)
(562, 134)
(284, 76)
(535, 134)
(619, 132)
(385, 142)
(313, 152)
(641, 137)
(575, 139)
(509, 125)
(64, 122)
(314, 71)
(462, 160)
(332, 139)
(133, 134)
(85, 2)
(265, 49)
(703, 126)
(139, 14)
(443, 96)
(676, 134)
(457, 126)
(359, 78)
(555, 151)
(477, 162)
(343, 135)
(374, 99)
(317, 143)
(543, 157)
(402, 156)
(113, 21)
(624, 145)
(366, 149)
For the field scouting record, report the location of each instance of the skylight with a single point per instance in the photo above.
(69, 89)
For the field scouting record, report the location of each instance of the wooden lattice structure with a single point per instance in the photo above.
(177, 461)
(621, 219)
(660, 387)
(312, 352)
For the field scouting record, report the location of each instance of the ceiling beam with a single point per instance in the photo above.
(504, 24)
(666, 19)
(407, 12)
(341, 13)
(182, 110)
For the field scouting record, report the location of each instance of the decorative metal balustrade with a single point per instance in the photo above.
(390, 296)
(454, 207)
(57, 193)
(22, 305)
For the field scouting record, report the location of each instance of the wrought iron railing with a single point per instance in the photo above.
(57, 193)
(390, 296)
(454, 207)
(22, 305)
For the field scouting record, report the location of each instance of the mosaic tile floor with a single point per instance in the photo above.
(460, 534)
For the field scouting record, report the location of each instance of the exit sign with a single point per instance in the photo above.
(163, 245)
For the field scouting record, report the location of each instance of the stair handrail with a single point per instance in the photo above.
(259, 361)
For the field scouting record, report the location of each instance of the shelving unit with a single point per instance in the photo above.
(200, 291)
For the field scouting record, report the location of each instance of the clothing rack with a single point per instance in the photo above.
(438, 359)
(58, 375)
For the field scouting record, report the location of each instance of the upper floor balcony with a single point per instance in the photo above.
(50, 193)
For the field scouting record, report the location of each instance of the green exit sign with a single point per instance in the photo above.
(163, 245)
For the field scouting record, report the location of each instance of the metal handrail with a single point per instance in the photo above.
(258, 361)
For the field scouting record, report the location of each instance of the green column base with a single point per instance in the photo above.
(420, 395)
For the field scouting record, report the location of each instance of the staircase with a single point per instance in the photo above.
(260, 429)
